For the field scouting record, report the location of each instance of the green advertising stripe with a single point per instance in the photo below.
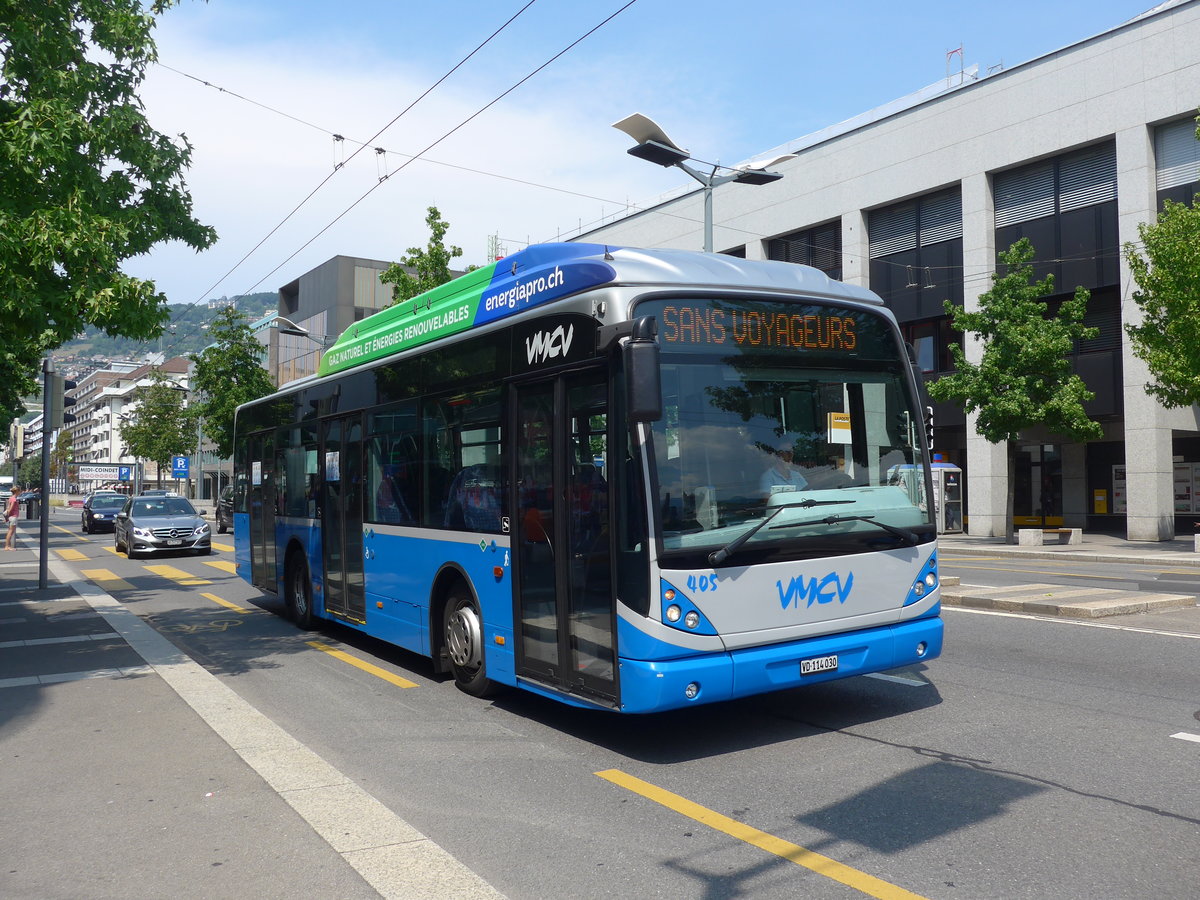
(439, 313)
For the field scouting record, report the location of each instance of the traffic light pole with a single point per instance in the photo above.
(44, 502)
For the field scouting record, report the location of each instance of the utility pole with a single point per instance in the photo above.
(48, 382)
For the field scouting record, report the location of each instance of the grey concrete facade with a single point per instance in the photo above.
(1115, 89)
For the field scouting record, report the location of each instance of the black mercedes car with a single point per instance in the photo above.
(99, 511)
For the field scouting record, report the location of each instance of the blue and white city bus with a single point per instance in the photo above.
(623, 479)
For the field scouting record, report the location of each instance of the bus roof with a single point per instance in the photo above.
(546, 272)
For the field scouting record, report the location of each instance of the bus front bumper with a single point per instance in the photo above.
(671, 684)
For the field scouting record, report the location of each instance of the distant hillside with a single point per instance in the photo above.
(186, 332)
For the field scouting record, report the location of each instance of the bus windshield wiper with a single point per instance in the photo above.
(719, 556)
(909, 537)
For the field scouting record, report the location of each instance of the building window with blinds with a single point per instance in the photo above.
(1067, 208)
(1177, 162)
(819, 247)
(916, 254)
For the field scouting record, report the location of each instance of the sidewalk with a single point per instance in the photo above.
(130, 771)
(1175, 610)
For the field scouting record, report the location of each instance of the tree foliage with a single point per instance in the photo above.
(31, 470)
(1167, 273)
(62, 455)
(85, 182)
(227, 374)
(432, 265)
(1024, 377)
(159, 426)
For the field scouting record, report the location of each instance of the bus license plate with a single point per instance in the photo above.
(180, 544)
(819, 664)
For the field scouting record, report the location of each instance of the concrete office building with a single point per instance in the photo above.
(1073, 150)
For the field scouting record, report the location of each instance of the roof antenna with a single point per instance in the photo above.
(608, 256)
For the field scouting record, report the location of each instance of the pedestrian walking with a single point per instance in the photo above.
(12, 512)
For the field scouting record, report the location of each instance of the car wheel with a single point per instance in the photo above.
(221, 526)
(84, 527)
(463, 636)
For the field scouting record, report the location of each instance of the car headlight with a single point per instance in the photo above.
(201, 529)
(142, 532)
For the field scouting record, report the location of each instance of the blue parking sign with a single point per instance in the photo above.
(179, 466)
(124, 473)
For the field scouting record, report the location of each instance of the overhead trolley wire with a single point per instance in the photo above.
(460, 125)
(340, 165)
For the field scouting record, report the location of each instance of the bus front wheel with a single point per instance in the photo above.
(299, 594)
(463, 634)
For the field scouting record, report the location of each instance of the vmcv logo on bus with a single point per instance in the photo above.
(824, 590)
(546, 345)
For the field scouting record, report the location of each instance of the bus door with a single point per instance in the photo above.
(563, 543)
(261, 507)
(342, 517)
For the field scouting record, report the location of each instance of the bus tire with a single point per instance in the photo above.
(299, 593)
(462, 633)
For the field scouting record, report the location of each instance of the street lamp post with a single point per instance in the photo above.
(287, 326)
(654, 146)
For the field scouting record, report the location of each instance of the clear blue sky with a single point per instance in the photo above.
(727, 81)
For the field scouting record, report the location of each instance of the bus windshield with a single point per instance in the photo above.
(815, 417)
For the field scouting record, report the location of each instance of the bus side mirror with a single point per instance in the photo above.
(643, 381)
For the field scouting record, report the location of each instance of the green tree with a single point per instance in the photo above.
(432, 265)
(1024, 377)
(31, 471)
(85, 182)
(159, 427)
(1167, 273)
(62, 455)
(227, 374)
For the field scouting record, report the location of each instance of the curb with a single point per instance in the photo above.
(1061, 600)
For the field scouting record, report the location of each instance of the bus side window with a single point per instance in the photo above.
(391, 460)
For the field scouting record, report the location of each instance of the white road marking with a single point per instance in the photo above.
(1078, 622)
(1184, 736)
(899, 679)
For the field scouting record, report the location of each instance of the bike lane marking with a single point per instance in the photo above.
(365, 666)
(815, 862)
(222, 602)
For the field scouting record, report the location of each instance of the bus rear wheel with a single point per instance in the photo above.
(299, 594)
(463, 635)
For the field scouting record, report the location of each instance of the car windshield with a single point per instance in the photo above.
(116, 501)
(164, 506)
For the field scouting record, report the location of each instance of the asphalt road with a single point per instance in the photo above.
(1033, 759)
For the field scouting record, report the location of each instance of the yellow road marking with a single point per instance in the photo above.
(110, 581)
(223, 564)
(71, 555)
(185, 578)
(365, 666)
(68, 531)
(228, 548)
(822, 865)
(215, 599)
(111, 548)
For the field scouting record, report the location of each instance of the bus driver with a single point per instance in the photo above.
(782, 474)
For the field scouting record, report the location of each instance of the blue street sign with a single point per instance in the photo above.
(124, 473)
(179, 466)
